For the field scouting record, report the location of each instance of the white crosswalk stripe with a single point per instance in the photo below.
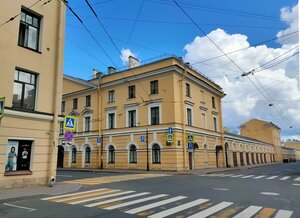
(248, 212)
(153, 205)
(239, 175)
(245, 177)
(101, 197)
(211, 210)
(259, 177)
(297, 179)
(283, 214)
(178, 208)
(116, 199)
(135, 202)
(272, 177)
(285, 178)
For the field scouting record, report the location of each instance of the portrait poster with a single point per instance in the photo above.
(11, 156)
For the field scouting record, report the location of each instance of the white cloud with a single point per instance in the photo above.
(243, 100)
(290, 17)
(125, 54)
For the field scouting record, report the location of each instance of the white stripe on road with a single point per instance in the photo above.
(259, 177)
(116, 199)
(227, 175)
(21, 207)
(285, 178)
(135, 202)
(67, 195)
(101, 197)
(248, 212)
(284, 214)
(296, 184)
(244, 177)
(272, 177)
(297, 179)
(239, 175)
(153, 205)
(88, 195)
(178, 208)
(211, 210)
(69, 176)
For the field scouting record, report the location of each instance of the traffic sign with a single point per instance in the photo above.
(2, 101)
(99, 140)
(170, 130)
(68, 136)
(191, 147)
(142, 138)
(190, 138)
(170, 138)
(70, 123)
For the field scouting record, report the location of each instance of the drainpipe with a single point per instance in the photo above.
(100, 133)
(183, 115)
(57, 91)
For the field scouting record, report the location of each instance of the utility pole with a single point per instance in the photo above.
(147, 149)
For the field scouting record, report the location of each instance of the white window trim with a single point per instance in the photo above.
(136, 114)
(203, 112)
(107, 117)
(84, 116)
(192, 113)
(157, 104)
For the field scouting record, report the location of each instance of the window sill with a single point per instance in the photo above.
(153, 94)
(132, 162)
(31, 49)
(111, 163)
(18, 173)
(110, 102)
(157, 163)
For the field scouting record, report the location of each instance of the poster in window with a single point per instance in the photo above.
(12, 156)
(23, 160)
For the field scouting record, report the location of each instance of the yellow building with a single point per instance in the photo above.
(162, 115)
(295, 144)
(31, 79)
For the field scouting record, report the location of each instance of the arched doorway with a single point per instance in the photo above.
(227, 155)
(60, 156)
(218, 155)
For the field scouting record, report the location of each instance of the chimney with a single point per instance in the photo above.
(96, 74)
(111, 70)
(133, 62)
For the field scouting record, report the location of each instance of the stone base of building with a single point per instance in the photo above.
(22, 183)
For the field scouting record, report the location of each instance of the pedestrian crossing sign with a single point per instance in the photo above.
(170, 138)
(70, 123)
(190, 138)
(2, 100)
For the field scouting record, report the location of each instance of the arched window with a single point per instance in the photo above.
(155, 154)
(87, 155)
(111, 154)
(132, 154)
(205, 154)
(74, 152)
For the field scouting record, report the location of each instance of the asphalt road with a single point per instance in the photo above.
(260, 192)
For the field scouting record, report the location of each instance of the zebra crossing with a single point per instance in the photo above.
(150, 205)
(256, 177)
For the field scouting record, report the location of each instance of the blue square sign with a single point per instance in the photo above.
(142, 138)
(99, 140)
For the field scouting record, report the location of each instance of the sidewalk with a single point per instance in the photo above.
(57, 189)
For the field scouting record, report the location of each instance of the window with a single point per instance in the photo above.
(203, 120)
(111, 96)
(154, 115)
(132, 154)
(213, 102)
(75, 102)
(187, 90)
(87, 155)
(189, 117)
(205, 154)
(154, 87)
(18, 155)
(215, 124)
(155, 154)
(24, 90)
(61, 128)
(63, 106)
(88, 101)
(74, 153)
(131, 92)
(87, 123)
(29, 30)
(111, 154)
(132, 118)
(111, 120)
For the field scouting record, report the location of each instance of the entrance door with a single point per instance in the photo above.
(60, 156)
(242, 158)
(247, 158)
(191, 154)
(235, 163)
(227, 155)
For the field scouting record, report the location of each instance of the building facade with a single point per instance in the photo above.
(159, 116)
(31, 73)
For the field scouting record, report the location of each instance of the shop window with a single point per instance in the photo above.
(156, 154)
(132, 154)
(87, 155)
(111, 154)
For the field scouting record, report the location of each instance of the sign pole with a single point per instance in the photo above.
(101, 152)
(147, 144)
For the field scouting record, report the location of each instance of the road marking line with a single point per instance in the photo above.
(153, 205)
(284, 214)
(296, 184)
(135, 202)
(21, 207)
(248, 212)
(67, 195)
(221, 189)
(116, 199)
(101, 197)
(272, 177)
(285, 178)
(84, 196)
(69, 176)
(245, 177)
(239, 175)
(269, 193)
(211, 210)
(178, 208)
(219, 174)
(297, 179)
(226, 175)
(259, 177)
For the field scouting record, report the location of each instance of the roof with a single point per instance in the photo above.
(79, 80)
(263, 121)
(243, 137)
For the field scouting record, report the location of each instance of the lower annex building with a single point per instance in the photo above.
(163, 115)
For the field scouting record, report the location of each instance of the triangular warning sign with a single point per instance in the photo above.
(69, 123)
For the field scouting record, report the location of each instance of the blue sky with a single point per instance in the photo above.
(161, 28)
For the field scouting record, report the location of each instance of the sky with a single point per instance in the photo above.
(153, 29)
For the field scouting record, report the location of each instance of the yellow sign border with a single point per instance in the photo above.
(65, 122)
(2, 108)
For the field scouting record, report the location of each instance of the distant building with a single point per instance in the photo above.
(31, 81)
(295, 144)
